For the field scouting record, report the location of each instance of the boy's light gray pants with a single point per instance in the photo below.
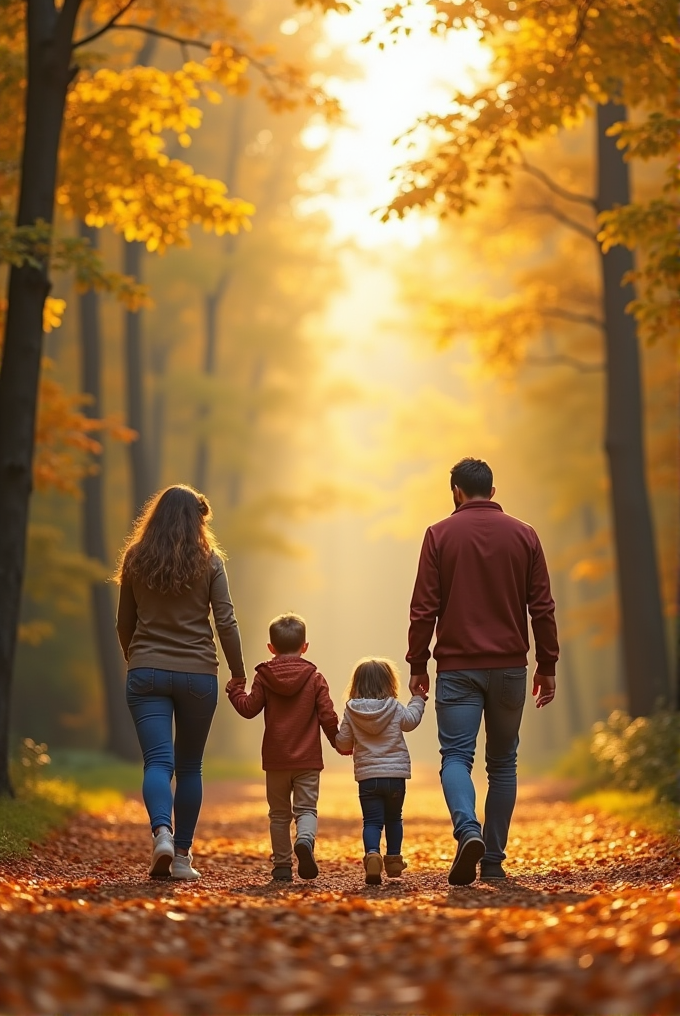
(303, 787)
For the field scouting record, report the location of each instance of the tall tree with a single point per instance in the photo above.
(120, 735)
(213, 298)
(50, 70)
(556, 64)
(644, 638)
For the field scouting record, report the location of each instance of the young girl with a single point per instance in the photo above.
(373, 727)
(171, 575)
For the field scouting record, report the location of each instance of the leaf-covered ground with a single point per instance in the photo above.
(589, 922)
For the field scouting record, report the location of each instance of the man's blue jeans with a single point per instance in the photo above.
(154, 698)
(381, 800)
(461, 698)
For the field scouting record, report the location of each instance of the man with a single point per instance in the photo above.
(479, 571)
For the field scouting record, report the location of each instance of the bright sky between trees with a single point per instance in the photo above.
(393, 87)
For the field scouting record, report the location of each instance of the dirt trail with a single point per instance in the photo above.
(589, 922)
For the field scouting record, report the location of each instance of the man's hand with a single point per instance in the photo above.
(419, 685)
(344, 752)
(544, 689)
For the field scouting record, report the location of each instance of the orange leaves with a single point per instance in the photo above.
(65, 436)
(587, 922)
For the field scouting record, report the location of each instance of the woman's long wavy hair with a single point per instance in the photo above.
(171, 542)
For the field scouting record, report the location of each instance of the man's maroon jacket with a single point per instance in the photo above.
(479, 571)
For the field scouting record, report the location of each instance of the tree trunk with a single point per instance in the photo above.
(211, 303)
(159, 359)
(142, 488)
(121, 737)
(49, 36)
(140, 454)
(568, 687)
(642, 626)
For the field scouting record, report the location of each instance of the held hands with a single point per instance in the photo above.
(544, 689)
(238, 682)
(419, 685)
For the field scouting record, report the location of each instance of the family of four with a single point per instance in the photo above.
(480, 572)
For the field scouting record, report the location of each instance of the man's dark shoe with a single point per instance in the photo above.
(307, 866)
(464, 868)
(489, 870)
(282, 873)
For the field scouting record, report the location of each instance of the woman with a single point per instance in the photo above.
(171, 573)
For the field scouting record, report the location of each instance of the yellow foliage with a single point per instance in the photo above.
(553, 63)
(115, 170)
(32, 633)
(593, 569)
(53, 313)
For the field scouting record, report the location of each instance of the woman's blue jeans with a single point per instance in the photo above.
(381, 801)
(461, 698)
(154, 698)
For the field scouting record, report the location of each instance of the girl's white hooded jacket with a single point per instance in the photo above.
(374, 728)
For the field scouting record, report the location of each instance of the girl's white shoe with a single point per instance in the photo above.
(162, 853)
(182, 867)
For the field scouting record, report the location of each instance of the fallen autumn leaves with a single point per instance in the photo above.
(589, 922)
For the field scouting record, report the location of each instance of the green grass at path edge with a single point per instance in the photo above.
(639, 808)
(79, 781)
(97, 770)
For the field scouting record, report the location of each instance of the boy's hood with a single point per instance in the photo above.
(371, 715)
(285, 675)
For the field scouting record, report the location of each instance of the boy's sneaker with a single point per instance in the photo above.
(373, 865)
(490, 870)
(282, 873)
(464, 868)
(162, 853)
(307, 866)
(183, 868)
(394, 865)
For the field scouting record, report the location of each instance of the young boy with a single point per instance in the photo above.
(296, 703)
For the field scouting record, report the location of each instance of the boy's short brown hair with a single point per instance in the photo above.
(288, 633)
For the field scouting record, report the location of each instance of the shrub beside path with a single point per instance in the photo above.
(588, 922)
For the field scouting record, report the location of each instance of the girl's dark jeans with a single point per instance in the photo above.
(381, 802)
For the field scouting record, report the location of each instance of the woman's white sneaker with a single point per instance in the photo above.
(182, 867)
(162, 853)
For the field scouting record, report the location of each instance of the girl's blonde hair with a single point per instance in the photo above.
(171, 542)
(374, 678)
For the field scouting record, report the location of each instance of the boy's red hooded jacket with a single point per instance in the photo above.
(296, 703)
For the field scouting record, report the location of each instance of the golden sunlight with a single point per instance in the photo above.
(393, 87)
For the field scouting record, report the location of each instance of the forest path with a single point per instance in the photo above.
(588, 922)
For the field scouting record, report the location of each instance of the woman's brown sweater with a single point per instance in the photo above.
(172, 631)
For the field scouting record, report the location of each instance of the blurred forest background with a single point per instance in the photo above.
(318, 374)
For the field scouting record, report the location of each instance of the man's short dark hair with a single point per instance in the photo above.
(287, 633)
(473, 476)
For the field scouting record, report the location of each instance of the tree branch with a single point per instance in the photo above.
(561, 192)
(66, 23)
(183, 42)
(566, 220)
(564, 360)
(571, 315)
(104, 28)
(157, 33)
